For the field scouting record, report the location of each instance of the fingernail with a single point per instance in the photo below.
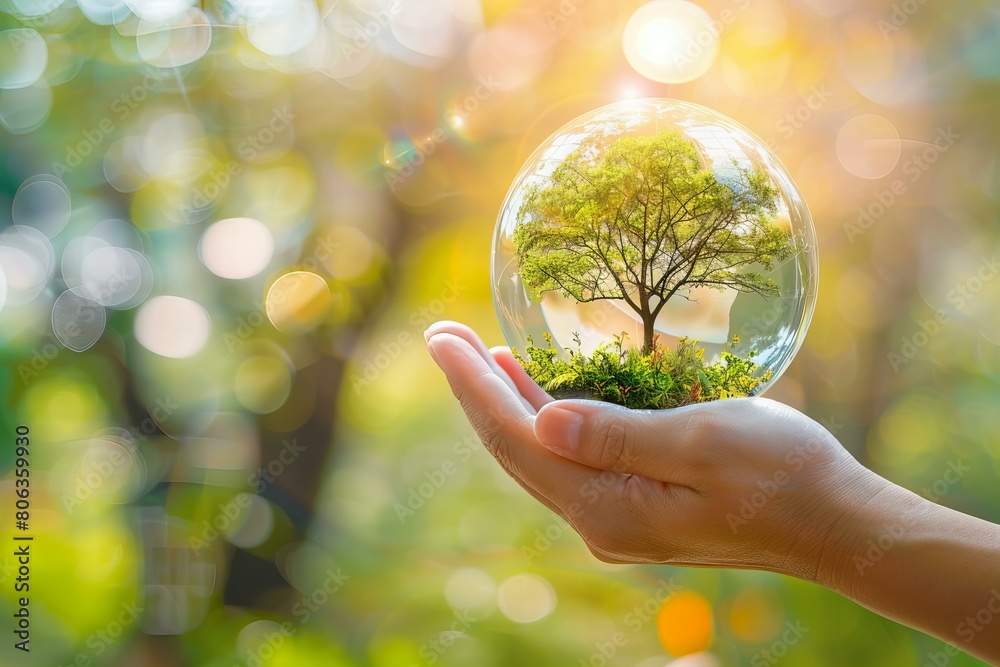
(557, 428)
(436, 328)
(430, 350)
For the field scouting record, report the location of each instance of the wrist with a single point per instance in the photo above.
(849, 509)
(867, 520)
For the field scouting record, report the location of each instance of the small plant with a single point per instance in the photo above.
(660, 378)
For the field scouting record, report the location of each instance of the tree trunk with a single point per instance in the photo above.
(648, 332)
(648, 319)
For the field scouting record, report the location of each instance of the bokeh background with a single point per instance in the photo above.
(242, 454)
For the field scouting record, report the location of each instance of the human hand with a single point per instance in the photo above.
(745, 483)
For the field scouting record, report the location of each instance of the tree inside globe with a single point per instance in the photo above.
(638, 250)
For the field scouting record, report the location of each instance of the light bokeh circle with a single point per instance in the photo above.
(869, 146)
(104, 12)
(178, 40)
(297, 301)
(172, 326)
(237, 248)
(42, 202)
(28, 261)
(285, 27)
(771, 327)
(671, 41)
(77, 321)
(23, 57)
(111, 276)
(526, 598)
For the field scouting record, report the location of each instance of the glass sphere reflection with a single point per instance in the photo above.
(753, 296)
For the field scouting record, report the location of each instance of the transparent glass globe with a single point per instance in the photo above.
(764, 306)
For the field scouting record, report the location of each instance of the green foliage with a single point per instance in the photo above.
(661, 378)
(639, 219)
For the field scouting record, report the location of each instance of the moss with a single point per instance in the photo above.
(663, 378)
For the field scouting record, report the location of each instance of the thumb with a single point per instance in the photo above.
(655, 444)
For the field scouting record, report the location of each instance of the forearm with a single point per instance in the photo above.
(926, 566)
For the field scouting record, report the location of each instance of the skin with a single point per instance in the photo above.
(740, 483)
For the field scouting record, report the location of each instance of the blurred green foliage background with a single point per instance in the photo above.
(253, 461)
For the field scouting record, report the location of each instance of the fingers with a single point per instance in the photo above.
(505, 425)
(531, 392)
(659, 445)
(449, 367)
(472, 338)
